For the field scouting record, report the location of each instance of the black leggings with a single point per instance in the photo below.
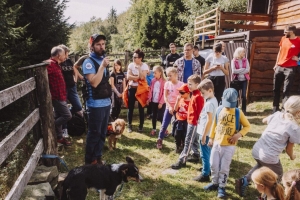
(131, 102)
(157, 114)
(219, 86)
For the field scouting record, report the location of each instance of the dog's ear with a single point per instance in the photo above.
(129, 160)
(123, 169)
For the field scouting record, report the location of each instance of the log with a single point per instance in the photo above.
(268, 44)
(262, 65)
(262, 81)
(8, 144)
(46, 115)
(20, 184)
(268, 39)
(15, 92)
(266, 50)
(258, 74)
(265, 56)
(261, 88)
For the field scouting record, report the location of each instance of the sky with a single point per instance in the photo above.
(84, 10)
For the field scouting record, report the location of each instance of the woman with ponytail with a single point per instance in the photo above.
(291, 183)
(265, 181)
(281, 133)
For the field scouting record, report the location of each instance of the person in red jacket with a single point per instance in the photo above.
(195, 106)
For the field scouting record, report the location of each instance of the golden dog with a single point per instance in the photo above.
(115, 132)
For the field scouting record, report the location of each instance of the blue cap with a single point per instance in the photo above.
(229, 98)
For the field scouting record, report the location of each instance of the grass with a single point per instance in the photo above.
(160, 181)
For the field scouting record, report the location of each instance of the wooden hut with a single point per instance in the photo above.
(259, 32)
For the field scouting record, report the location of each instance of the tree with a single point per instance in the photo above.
(112, 21)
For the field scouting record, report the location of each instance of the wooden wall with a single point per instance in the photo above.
(263, 56)
(285, 12)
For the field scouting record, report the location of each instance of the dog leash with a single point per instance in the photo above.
(118, 193)
(54, 157)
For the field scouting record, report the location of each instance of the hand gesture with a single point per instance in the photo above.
(203, 140)
(121, 95)
(171, 110)
(210, 142)
(105, 62)
(159, 106)
(295, 58)
(234, 138)
(274, 68)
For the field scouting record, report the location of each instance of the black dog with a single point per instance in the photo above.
(105, 177)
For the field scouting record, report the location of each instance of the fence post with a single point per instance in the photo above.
(46, 115)
(127, 58)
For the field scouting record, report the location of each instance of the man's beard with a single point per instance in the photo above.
(287, 35)
(100, 52)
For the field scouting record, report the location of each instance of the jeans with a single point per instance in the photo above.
(191, 142)
(97, 128)
(73, 98)
(180, 132)
(286, 76)
(165, 123)
(62, 116)
(241, 85)
(131, 102)
(277, 168)
(205, 156)
(219, 85)
(156, 112)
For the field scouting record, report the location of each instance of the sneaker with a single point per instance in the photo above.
(140, 129)
(178, 165)
(166, 134)
(129, 129)
(193, 158)
(153, 132)
(65, 133)
(159, 144)
(200, 169)
(201, 178)
(211, 186)
(221, 192)
(241, 185)
(64, 142)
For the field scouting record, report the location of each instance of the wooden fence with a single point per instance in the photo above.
(41, 116)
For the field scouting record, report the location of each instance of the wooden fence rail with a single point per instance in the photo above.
(42, 116)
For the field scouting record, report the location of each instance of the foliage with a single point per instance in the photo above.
(112, 21)
(233, 5)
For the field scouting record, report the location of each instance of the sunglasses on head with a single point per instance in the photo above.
(182, 92)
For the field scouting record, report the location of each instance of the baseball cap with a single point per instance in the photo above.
(229, 98)
(94, 37)
(184, 87)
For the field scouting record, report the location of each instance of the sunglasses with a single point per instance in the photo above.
(182, 93)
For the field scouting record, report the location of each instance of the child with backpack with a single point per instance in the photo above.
(281, 133)
(118, 84)
(265, 181)
(170, 95)
(156, 95)
(205, 122)
(291, 183)
(180, 124)
(223, 139)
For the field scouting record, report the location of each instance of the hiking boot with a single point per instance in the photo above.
(159, 144)
(201, 178)
(221, 192)
(178, 165)
(129, 129)
(241, 185)
(194, 158)
(65, 133)
(153, 132)
(211, 186)
(64, 142)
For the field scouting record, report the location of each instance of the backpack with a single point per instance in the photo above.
(237, 118)
(76, 125)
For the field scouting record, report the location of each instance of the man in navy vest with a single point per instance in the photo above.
(96, 74)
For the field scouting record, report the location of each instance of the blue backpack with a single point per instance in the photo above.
(237, 117)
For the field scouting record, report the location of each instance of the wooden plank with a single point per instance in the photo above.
(15, 92)
(258, 74)
(267, 39)
(206, 26)
(287, 12)
(262, 65)
(245, 16)
(224, 24)
(262, 81)
(201, 16)
(8, 144)
(204, 20)
(259, 88)
(267, 44)
(205, 33)
(254, 94)
(20, 184)
(266, 50)
(33, 66)
(266, 57)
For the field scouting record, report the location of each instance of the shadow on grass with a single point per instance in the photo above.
(246, 144)
(253, 135)
(264, 112)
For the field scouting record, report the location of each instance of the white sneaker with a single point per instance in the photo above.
(65, 133)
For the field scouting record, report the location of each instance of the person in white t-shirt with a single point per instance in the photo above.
(137, 70)
(282, 132)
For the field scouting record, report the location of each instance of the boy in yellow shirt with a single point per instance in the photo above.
(223, 139)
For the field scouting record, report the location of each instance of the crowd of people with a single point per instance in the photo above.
(189, 93)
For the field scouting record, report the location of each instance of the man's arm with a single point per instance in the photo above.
(95, 79)
(290, 151)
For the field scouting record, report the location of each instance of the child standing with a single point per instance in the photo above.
(118, 84)
(281, 133)
(223, 139)
(291, 183)
(194, 110)
(205, 122)
(265, 181)
(170, 95)
(180, 124)
(156, 95)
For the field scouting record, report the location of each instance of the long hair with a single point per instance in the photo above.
(265, 176)
(291, 182)
(161, 70)
(292, 108)
(118, 62)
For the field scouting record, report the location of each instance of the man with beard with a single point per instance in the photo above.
(96, 75)
(173, 56)
(286, 65)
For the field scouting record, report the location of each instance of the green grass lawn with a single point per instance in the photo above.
(163, 183)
